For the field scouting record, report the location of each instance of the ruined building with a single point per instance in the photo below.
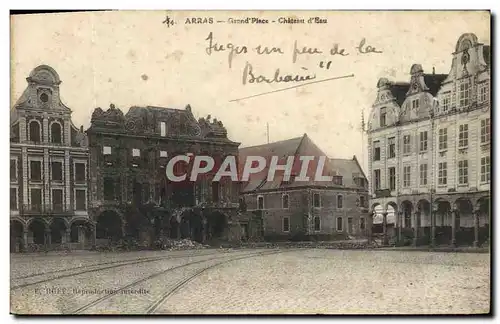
(130, 195)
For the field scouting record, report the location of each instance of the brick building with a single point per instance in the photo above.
(130, 194)
(291, 209)
(48, 169)
(429, 150)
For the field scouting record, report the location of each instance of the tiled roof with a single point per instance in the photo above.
(434, 81)
(399, 90)
(296, 147)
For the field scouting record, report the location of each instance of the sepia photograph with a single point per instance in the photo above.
(170, 162)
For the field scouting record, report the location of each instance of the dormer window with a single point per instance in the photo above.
(415, 104)
(337, 180)
(445, 103)
(383, 116)
(464, 93)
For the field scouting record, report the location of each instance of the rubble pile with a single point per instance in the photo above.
(184, 244)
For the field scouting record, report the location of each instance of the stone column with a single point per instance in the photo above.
(68, 236)
(434, 209)
(476, 227)
(384, 229)
(47, 240)
(400, 224)
(370, 225)
(25, 241)
(416, 216)
(454, 214)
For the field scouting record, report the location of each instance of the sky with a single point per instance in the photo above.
(132, 58)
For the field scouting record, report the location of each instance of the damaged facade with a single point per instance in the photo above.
(130, 194)
(429, 151)
(48, 170)
(280, 209)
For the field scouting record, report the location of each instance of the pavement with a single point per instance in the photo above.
(251, 281)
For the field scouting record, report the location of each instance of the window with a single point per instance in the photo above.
(80, 172)
(80, 200)
(163, 154)
(36, 199)
(406, 144)
(406, 176)
(57, 199)
(337, 180)
(383, 115)
(392, 179)
(392, 147)
(463, 135)
(485, 130)
(316, 200)
(423, 174)
(106, 150)
(284, 201)
(35, 132)
(362, 201)
(36, 170)
(163, 129)
(136, 152)
(57, 174)
(485, 169)
(260, 202)
(464, 93)
(339, 224)
(423, 141)
(216, 191)
(13, 199)
(109, 189)
(317, 224)
(376, 179)
(286, 224)
(442, 173)
(13, 170)
(415, 104)
(443, 138)
(483, 92)
(55, 133)
(463, 172)
(445, 103)
(376, 151)
(362, 224)
(340, 202)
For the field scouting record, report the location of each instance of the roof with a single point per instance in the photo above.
(434, 82)
(295, 147)
(399, 90)
(348, 169)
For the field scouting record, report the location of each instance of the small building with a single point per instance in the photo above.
(289, 209)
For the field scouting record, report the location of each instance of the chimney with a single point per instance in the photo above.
(433, 70)
(81, 128)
